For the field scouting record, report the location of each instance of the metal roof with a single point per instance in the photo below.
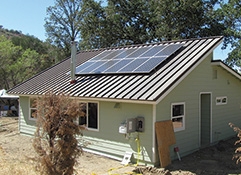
(135, 87)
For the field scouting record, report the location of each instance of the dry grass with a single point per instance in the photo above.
(17, 158)
(15, 166)
(14, 152)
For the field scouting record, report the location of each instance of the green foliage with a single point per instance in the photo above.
(230, 15)
(93, 26)
(62, 23)
(9, 55)
(185, 19)
(23, 56)
(55, 137)
(29, 42)
(124, 22)
(130, 21)
(237, 154)
(17, 64)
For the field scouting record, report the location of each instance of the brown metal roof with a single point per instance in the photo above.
(120, 86)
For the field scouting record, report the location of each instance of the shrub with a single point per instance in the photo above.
(55, 138)
(237, 154)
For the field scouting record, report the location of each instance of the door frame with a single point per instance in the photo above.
(200, 130)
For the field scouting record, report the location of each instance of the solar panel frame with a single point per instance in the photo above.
(101, 56)
(132, 65)
(117, 66)
(152, 51)
(126, 53)
(151, 64)
(107, 65)
(112, 55)
(168, 50)
(128, 60)
(137, 53)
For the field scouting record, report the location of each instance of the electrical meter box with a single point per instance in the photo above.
(131, 125)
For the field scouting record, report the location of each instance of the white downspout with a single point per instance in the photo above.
(153, 134)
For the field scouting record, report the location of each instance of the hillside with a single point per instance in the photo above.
(23, 56)
(10, 33)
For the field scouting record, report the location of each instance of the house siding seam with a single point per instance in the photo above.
(143, 87)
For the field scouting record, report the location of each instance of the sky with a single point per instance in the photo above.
(28, 16)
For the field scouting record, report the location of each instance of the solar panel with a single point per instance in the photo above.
(128, 60)
(152, 51)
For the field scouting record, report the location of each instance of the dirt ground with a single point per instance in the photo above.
(215, 160)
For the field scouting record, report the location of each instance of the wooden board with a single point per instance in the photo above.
(165, 138)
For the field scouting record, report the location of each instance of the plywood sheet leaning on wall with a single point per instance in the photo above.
(165, 138)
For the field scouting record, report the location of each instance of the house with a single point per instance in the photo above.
(127, 90)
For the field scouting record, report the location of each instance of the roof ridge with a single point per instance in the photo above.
(151, 44)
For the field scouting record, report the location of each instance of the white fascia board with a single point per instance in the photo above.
(227, 68)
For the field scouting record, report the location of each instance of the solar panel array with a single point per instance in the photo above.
(128, 60)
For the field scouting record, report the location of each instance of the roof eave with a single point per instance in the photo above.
(226, 67)
(115, 100)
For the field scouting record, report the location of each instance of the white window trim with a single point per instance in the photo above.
(29, 117)
(183, 116)
(92, 129)
(219, 100)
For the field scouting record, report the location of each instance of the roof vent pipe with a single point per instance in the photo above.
(73, 62)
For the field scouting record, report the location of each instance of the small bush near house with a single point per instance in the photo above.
(55, 138)
(237, 154)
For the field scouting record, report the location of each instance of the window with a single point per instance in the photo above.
(89, 115)
(32, 108)
(221, 100)
(178, 116)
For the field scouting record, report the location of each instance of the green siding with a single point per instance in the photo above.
(108, 140)
(26, 126)
(201, 80)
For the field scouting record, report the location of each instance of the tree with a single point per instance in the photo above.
(44, 50)
(120, 23)
(125, 22)
(17, 64)
(129, 21)
(93, 26)
(62, 23)
(25, 66)
(185, 19)
(29, 42)
(55, 138)
(230, 15)
(8, 55)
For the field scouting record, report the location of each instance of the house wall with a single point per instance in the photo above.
(110, 142)
(203, 79)
(26, 126)
(107, 140)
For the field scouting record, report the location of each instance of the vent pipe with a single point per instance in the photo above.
(73, 62)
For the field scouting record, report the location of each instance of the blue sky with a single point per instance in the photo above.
(25, 15)
(28, 16)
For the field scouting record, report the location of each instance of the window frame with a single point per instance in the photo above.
(87, 115)
(179, 116)
(31, 108)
